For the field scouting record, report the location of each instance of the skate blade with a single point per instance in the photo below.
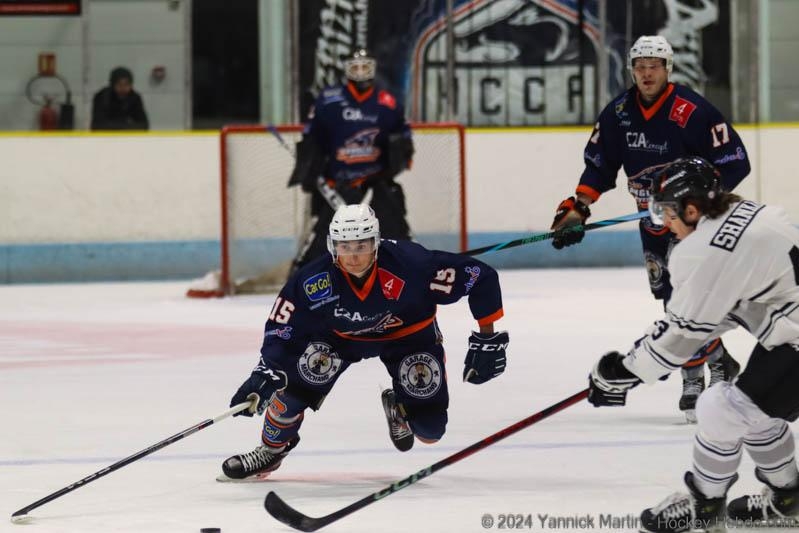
(690, 416)
(257, 478)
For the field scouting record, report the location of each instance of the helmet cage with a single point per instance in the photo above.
(360, 67)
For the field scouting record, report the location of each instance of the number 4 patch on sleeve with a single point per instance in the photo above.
(390, 283)
(681, 111)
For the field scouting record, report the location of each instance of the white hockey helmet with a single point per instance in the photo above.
(356, 222)
(651, 46)
(360, 66)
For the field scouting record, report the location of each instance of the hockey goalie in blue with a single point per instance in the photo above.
(367, 298)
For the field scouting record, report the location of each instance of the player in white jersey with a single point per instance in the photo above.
(737, 264)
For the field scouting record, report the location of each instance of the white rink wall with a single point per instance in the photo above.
(83, 207)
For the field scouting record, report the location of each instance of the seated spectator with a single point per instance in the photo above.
(118, 106)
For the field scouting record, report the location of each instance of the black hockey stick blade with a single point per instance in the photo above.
(548, 235)
(21, 516)
(283, 512)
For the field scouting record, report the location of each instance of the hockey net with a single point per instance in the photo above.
(264, 221)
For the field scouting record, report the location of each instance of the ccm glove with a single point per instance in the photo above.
(486, 356)
(610, 380)
(258, 389)
(571, 212)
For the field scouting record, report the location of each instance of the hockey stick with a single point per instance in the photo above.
(544, 236)
(22, 516)
(291, 517)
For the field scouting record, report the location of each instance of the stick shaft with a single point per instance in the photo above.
(135, 457)
(548, 235)
(283, 512)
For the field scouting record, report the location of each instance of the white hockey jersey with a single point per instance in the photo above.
(741, 269)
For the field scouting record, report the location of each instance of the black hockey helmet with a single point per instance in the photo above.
(687, 177)
(360, 66)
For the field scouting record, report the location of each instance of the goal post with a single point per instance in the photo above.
(263, 220)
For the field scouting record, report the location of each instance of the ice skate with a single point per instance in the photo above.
(260, 462)
(398, 429)
(771, 504)
(724, 369)
(686, 512)
(693, 383)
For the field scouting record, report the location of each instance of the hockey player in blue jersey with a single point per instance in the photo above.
(357, 139)
(642, 129)
(367, 298)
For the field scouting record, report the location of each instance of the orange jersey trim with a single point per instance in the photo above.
(590, 192)
(649, 113)
(402, 332)
(367, 287)
(490, 319)
(360, 97)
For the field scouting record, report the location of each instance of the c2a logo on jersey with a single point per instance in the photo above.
(318, 287)
(681, 111)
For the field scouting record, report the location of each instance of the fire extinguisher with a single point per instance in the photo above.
(48, 116)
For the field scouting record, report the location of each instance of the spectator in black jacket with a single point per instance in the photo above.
(118, 106)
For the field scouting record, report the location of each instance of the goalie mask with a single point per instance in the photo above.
(360, 69)
(651, 46)
(354, 231)
(686, 178)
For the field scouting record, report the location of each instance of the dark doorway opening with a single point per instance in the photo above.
(225, 63)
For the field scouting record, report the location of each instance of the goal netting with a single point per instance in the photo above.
(263, 221)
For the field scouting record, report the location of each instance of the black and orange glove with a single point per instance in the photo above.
(570, 213)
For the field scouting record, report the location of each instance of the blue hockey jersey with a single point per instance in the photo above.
(353, 129)
(680, 123)
(320, 303)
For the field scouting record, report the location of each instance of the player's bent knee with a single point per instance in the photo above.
(429, 427)
(717, 418)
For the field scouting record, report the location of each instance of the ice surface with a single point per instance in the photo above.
(90, 374)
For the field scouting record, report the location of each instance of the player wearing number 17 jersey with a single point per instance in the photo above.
(368, 298)
(649, 125)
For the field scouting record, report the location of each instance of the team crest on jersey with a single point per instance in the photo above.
(681, 111)
(318, 364)
(654, 269)
(420, 375)
(318, 287)
(360, 148)
(392, 285)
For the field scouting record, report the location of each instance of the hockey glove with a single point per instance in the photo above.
(258, 389)
(610, 380)
(486, 356)
(571, 212)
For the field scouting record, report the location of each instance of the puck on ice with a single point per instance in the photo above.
(210, 530)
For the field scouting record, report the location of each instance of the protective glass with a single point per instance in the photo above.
(660, 210)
